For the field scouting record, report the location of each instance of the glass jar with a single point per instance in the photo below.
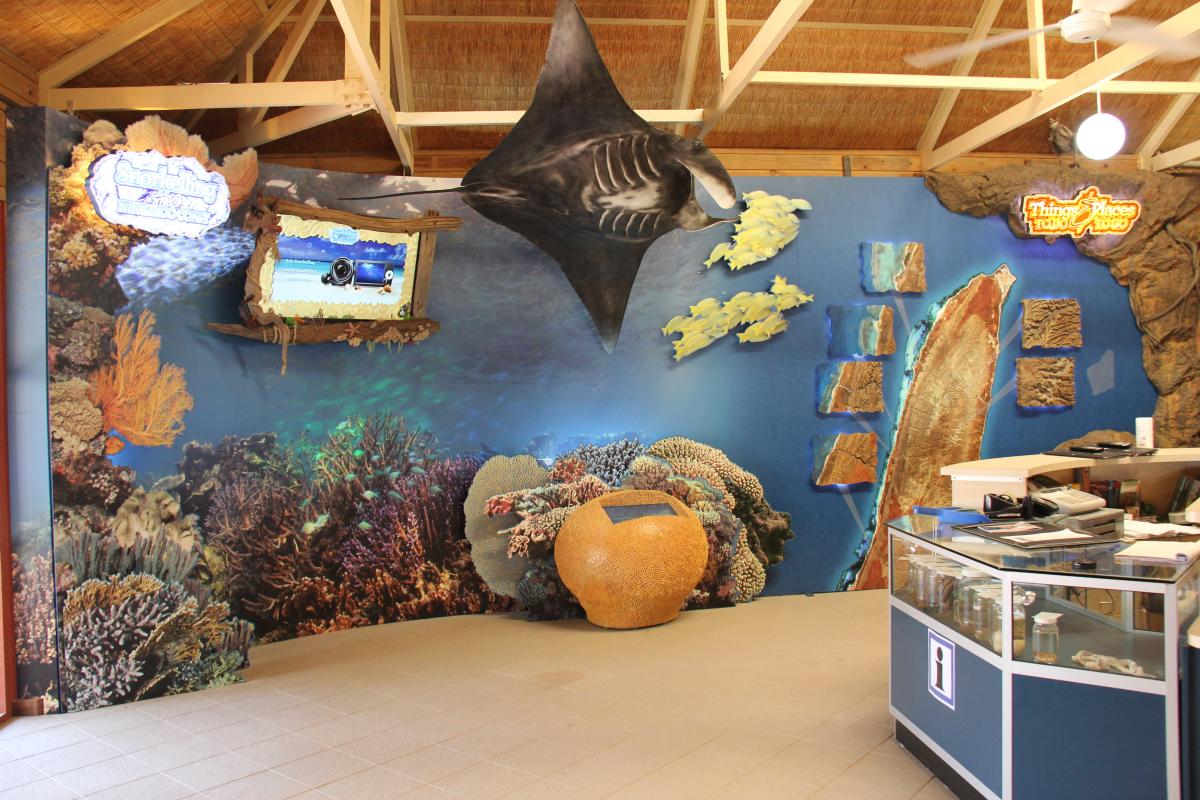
(1045, 637)
(971, 580)
(916, 579)
(981, 613)
(1021, 600)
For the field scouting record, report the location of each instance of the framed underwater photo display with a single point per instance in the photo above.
(314, 264)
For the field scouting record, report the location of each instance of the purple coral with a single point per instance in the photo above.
(608, 462)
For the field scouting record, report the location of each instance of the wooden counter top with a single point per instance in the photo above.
(1038, 463)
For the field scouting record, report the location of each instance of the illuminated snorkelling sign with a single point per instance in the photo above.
(1089, 212)
(173, 195)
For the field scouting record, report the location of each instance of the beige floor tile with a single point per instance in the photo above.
(144, 736)
(546, 789)
(214, 771)
(647, 752)
(934, 790)
(45, 789)
(485, 780)
(96, 778)
(173, 706)
(283, 749)
(541, 757)
(428, 792)
(337, 732)
(152, 787)
(43, 741)
(206, 719)
(431, 763)
(391, 713)
(74, 756)
(243, 732)
(487, 741)
(379, 748)
(259, 786)
(598, 774)
(110, 719)
(376, 783)
(22, 726)
(301, 716)
(265, 701)
(861, 736)
(323, 767)
(19, 773)
(180, 750)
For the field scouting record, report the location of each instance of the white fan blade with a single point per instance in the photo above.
(939, 55)
(1132, 29)
(1107, 6)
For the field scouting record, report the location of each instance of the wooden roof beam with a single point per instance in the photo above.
(401, 61)
(208, 95)
(981, 83)
(721, 19)
(357, 26)
(287, 55)
(1173, 158)
(1107, 67)
(18, 80)
(1037, 42)
(769, 37)
(277, 127)
(685, 78)
(254, 39)
(962, 66)
(1162, 129)
(435, 119)
(107, 44)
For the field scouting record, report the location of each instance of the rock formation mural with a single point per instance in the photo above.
(942, 414)
(1045, 382)
(861, 331)
(1157, 260)
(1051, 323)
(891, 267)
(850, 387)
(844, 458)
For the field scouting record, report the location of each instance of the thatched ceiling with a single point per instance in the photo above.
(492, 64)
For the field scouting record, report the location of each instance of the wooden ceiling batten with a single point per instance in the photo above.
(287, 56)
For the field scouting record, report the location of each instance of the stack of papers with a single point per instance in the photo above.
(1140, 529)
(1160, 552)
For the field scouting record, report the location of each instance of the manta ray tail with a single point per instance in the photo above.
(407, 194)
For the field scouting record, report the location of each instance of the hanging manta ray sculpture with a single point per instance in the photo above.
(589, 181)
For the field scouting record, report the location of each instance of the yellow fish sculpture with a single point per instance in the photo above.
(767, 225)
(760, 312)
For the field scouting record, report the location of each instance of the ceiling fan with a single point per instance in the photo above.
(1089, 21)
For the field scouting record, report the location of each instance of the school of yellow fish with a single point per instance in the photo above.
(762, 230)
(760, 312)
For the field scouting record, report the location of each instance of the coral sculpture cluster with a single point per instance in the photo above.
(767, 225)
(728, 500)
(759, 313)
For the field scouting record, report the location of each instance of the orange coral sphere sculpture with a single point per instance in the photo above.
(631, 557)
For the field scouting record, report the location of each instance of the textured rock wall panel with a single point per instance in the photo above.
(1051, 323)
(1157, 260)
(844, 458)
(891, 267)
(1045, 382)
(943, 410)
(850, 386)
(861, 331)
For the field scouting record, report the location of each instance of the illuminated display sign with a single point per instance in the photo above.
(1088, 213)
(173, 195)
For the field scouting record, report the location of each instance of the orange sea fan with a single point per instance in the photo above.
(140, 398)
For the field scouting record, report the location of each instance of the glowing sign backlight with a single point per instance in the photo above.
(1088, 213)
(173, 195)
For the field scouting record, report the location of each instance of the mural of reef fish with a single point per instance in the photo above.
(589, 181)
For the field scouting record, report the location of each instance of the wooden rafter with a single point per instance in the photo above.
(900, 80)
(277, 127)
(721, 20)
(435, 119)
(769, 36)
(254, 39)
(1037, 43)
(1107, 67)
(112, 42)
(208, 95)
(1162, 129)
(962, 66)
(287, 55)
(401, 65)
(685, 78)
(1173, 158)
(356, 25)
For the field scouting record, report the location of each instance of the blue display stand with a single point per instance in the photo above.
(993, 724)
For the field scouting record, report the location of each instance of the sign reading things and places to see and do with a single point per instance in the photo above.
(174, 195)
(941, 669)
(1090, 212)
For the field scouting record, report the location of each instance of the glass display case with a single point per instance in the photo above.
(1035, 640)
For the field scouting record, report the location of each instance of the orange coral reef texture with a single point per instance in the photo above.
(141, 399)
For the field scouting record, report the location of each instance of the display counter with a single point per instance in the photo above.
(1038, 673)
(1157, 474)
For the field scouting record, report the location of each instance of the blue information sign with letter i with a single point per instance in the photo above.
(941, 669)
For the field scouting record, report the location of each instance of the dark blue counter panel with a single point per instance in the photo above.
(1107, 744)
(971, 732)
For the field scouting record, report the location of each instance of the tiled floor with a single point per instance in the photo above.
(783, 698)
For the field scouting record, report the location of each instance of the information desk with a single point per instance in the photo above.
(1157, 474)
(995, 713)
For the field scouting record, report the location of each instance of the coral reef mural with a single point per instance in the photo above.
(202, 502)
